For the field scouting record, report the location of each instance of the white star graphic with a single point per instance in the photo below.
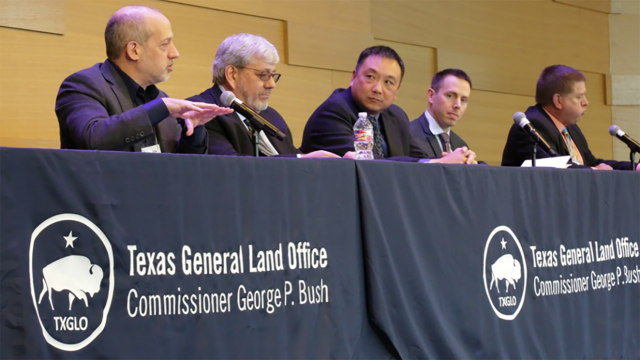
(70, 238)
(504, 244)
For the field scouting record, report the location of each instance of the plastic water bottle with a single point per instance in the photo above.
(363, 137)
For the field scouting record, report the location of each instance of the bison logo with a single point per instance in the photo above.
(73, 273)
(504, 261)
(505, 268)
(73, 260)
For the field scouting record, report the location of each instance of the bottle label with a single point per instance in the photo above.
(362, 135)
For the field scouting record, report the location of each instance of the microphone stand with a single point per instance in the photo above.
(256, 135)
(534, 152)
(632, 155)
(256, 140)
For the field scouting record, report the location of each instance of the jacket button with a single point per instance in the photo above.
(127, 140)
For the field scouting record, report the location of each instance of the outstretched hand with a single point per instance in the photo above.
(194, 113)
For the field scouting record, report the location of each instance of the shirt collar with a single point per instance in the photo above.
(556, 122)
(433, 124)
(133, 88)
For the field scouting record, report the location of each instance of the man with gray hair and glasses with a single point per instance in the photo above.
(245, 64)
(115, 105)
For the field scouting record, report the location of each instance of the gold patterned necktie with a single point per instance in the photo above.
(572, 149)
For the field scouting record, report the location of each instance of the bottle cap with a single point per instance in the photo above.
(362, 114)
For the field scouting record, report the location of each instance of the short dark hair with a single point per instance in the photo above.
(126, 24)
(382, 51)
(556, 79)
(438, 78)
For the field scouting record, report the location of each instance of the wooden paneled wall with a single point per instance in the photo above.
(624, 35)
(503, 45)
(36, 15)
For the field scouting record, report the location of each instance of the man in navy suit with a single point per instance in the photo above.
(448, 98)
(375, 82)
(245, 64)
(115, 105)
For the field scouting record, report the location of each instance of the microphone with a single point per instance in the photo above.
(229, 99)
(614, 130)
(522, 121)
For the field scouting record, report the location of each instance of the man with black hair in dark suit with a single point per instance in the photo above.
(375, 82)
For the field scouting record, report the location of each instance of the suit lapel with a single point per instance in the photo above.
(431, 139)
(234, 115)
(119, 89)
(456, 141)
(391, 134)
(166, 133)
(577, 139)
(551, 129)
(117, 86)
(435, 145)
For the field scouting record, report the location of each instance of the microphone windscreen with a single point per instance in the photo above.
(613, 130)
(227, 98)
(520, 119)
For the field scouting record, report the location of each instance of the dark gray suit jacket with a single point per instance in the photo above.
(330, 128)
(95, 112)
(428, 142)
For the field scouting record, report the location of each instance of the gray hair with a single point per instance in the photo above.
(127, 24)
(240, 50)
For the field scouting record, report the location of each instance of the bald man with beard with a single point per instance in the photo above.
(115, 105)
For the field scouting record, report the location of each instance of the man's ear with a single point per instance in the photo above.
(231, 73)
(353, 78)
(132, 51)
(430, 94)
(557, 101)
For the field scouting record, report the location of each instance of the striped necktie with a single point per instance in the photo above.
(446, 142)
(572, 149)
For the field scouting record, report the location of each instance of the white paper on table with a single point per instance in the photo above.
(558, 162)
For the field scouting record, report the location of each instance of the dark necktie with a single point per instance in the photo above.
(377, 137)
(446, 144)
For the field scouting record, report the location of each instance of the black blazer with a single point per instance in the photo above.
(519, 144)
(428, 142)
(229, 136)
(95, 112)
(330, 128)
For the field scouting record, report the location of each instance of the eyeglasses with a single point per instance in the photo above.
(265, 75)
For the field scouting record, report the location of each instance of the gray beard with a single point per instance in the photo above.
(254, 101)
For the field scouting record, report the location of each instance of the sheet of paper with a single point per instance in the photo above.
(558, 162)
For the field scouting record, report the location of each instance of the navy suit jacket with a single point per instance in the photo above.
(428, 142)
(229, 136)
(519, 144)
(330, 128)
(95, 112)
